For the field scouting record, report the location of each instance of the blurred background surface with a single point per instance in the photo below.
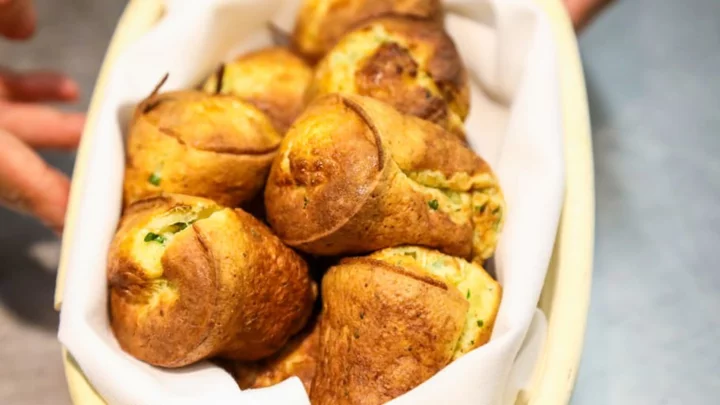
(654, 91)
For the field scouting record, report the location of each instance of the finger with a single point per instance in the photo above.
(29, 185)
(17, 19)
(583, 11)
(41, 126)
(37, 86)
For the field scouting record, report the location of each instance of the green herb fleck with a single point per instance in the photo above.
(153, 237)
(480, 323)
(480, 209)
(305, 201)
(178, 226)
(496, 210)
(468, 295)
(154, 179)
(434, 204)
(472, 342)
(413, 254)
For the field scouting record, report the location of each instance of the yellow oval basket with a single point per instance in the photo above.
(566, 294)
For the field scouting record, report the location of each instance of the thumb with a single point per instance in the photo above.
(29, 185)
(583, 11)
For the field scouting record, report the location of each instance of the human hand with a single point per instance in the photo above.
(27, 183)
(583, 11)
(17, 19)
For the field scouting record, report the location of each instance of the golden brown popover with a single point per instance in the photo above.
(272, 79)
(297, 358)
(190, 279)
(408, 63)
(353, 175)
(395, 318)
(189, 142)
(321, 23)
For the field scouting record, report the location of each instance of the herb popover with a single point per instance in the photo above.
(393, 319)
(189, 142)
(354, 175)
(321, 23)
(272, 79)
(190, 279)
(408, 63)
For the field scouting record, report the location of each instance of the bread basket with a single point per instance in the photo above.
(566, 293)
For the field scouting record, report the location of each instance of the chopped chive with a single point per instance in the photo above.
(496, 210)
(468, 295)
(154, 179)
(434, 204)
(178, 226)
(472, 342)
(153, 237)
(480, 209)
(480, 323)
(413, 254)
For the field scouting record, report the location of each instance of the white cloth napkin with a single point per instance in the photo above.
(515, 124)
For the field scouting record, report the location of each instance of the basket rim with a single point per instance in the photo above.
(566, 294)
